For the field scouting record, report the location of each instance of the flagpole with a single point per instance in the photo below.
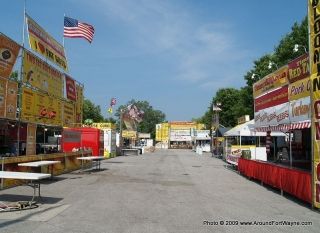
(64, 15)
(21, 78)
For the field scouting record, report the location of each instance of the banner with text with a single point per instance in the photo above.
(276, 115)
(271, 99)
(8, 98)
(41, 75)
(71, 91)
(314, 35)
(79, 104)
(9, 51)
(298, 68)
(270, 82)
(40, 108)
(299, 89)
(300, 110)
(44, 44)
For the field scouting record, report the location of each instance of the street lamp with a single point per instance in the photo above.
(253, 76)
(297, 46)
(215, 123)
(271, 63)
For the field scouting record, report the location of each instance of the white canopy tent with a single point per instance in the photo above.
(247, 129)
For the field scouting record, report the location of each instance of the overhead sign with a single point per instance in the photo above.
(104, 125)
(41, 75)
(9, 51)
(276, 115)
(44, 44)
(272, 81)
(271, 99)
(298, 68)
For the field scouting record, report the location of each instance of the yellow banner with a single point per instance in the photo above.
(313, 14)
(299, 89)
(272, 81)
(41, 75)
(40, 108)
(44, 44)
(104, 125)
(129, 134)
(9, 51)
(68, 114)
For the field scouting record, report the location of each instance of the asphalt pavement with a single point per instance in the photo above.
(166, 191)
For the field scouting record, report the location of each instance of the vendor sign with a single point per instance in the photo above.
(272, 81)
(40, 108)
(298, 68)
(300, 110)
(44, 44)
(235, 153)
(41, 75)
(273, 116)
(271, 99)
(129, 134)
(104, 125)
(9, 51)
(313, 14)
(70, 88)
(299, 89)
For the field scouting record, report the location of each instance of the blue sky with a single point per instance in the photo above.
(173, 53)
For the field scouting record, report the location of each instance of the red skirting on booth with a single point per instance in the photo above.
(295, 182)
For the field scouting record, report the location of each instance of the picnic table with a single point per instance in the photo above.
(33, 179)
(40, 164)
(96, 159)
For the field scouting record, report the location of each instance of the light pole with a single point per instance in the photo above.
(215, 124)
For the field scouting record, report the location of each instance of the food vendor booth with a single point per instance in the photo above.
(201, 140)
(282, 103)
(243, 139)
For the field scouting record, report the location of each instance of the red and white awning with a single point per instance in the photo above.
(285, 127)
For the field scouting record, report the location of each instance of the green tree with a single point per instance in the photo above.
(91, 111)
(150, 119)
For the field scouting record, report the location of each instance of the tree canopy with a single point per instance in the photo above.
(238, 102)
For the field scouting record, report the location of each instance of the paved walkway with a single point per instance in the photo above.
(166, 191)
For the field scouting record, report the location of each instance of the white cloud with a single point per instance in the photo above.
(198, 51)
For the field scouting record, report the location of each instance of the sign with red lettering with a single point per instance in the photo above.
(271, 82)
(71, 88)
(298, 68)
(276, 115)
(271, 99)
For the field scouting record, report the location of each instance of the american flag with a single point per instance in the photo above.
(75, 29)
